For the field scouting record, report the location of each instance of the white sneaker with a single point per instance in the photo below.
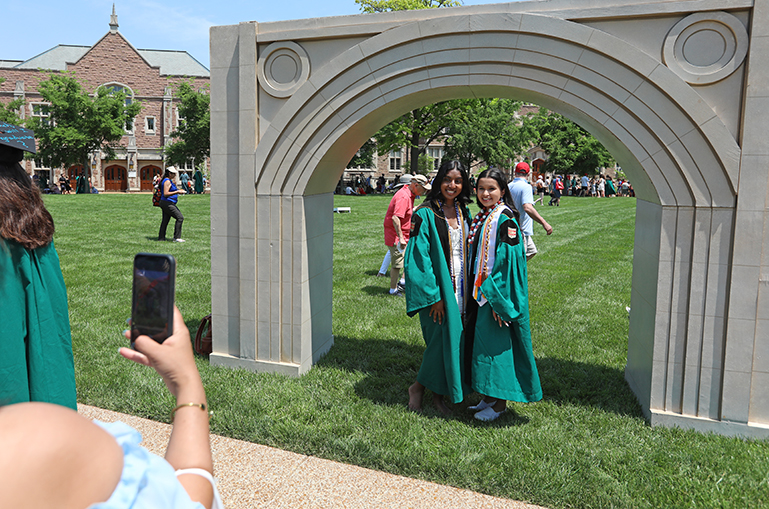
(482, 405)
(488, 414)
(179, 240)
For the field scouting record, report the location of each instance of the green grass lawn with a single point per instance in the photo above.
(585, 445)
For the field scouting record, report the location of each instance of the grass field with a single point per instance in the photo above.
(585, 445)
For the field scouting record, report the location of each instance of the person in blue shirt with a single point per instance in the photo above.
(523, 198)
(168, 204)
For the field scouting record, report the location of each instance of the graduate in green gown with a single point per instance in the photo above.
(198, 177)
(436, 273)
(36, 361)
(498, 337)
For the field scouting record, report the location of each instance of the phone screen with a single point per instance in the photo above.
(153, 296)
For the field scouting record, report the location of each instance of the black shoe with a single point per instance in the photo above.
(397, 293)
(400, 286)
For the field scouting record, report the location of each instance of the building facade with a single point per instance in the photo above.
(148, 76)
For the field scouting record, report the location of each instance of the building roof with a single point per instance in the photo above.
(55, 59)
(173, 63)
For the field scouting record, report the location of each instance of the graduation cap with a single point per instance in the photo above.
(17, 137)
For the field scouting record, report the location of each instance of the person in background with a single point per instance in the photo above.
(168, 204)
(53, 457)
(64, 185)
(185, 179)
(520, 192)
(397, 227)
(198, 178)
(36, 362)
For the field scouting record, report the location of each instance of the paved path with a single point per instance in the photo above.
(252, 476)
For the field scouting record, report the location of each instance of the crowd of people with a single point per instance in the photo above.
(597, 186)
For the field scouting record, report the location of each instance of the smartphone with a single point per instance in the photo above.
(152, 305)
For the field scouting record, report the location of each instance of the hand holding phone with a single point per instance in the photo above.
(152, 307)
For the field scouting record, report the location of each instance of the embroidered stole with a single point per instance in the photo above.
(486, 253)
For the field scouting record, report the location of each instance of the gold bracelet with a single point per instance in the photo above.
(202, 406)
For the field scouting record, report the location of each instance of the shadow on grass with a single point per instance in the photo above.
(378, 290)
(392, 365)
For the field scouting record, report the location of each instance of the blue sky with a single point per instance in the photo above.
(147, 24)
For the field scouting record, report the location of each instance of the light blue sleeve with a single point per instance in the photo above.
(148, 481)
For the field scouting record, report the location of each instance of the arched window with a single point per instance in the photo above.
(129, 97)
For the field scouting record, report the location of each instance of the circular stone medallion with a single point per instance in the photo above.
(283, 68)
(706, 47)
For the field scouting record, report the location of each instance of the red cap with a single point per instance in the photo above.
(522, 168)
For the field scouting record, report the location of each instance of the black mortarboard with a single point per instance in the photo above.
(17, 137)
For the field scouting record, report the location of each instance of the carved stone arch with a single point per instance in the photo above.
(273, 294)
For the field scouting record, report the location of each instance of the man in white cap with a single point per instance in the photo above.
(397, 226)
(520, 192)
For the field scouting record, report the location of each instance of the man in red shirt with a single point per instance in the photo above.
(397, 225)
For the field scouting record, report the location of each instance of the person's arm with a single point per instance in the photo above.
(189, 445)
(398, 232)
(531, 211)
(167, 189)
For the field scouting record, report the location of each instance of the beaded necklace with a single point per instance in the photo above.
(478, 220)
(461, 251)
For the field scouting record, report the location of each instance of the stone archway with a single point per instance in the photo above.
(691, 355)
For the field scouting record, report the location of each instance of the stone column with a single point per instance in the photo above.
(746, 359)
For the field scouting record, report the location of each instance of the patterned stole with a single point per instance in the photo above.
(484, 260)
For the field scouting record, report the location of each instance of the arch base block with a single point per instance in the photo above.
(704, 425)
(259, 366)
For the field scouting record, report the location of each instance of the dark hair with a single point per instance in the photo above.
(23, 216)
(434, 194)
(501, 179)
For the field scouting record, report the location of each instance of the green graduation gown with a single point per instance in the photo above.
(502, 362)
(198, 177)
(428, 280)
(36, 361)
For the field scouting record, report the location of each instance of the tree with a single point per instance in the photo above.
(9, 112)
(485, 131)
(570, 148)
(417, 128)
(78, 123)
(194, 132)
(364, 156)
(371, 6)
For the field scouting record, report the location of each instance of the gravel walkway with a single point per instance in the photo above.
(251, 475)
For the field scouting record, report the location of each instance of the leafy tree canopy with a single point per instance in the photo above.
(365, 156)
(421, 126)
(485, 131)
(416, 129)
(371, 6)
(570, 148)
(193, 136)
(78, 123)
(9, 112)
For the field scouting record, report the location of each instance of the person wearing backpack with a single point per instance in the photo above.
(168, 200)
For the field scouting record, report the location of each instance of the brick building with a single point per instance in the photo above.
(147, 76)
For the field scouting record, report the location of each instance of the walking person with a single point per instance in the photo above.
(436, 272)
(557, 191)
(497, 333)
(520, 193)
(168, 204)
